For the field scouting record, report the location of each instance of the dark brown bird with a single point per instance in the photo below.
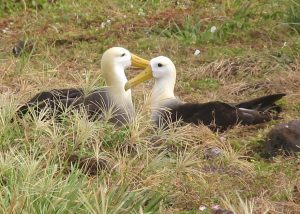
(216, 115)
(111, 98)
(22, 47)
(284, 137)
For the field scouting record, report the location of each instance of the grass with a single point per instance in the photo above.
(254, 51)
(293, 18)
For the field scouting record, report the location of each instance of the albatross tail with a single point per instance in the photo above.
(263, 104)
(259, 110)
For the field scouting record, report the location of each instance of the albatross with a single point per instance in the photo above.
(113, 98)
(166, 108)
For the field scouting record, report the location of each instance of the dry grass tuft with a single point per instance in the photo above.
(76, 165)
(230, 69)
(240, 206)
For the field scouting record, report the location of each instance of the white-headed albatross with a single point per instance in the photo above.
(216, 115)
(111, 98)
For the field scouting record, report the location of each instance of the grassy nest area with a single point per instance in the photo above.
(226, 50)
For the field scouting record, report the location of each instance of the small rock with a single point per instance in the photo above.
(284, 136)
(213, 153)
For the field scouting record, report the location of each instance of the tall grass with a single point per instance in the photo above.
(79, 166)
(293, 15)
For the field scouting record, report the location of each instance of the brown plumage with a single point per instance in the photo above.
(59, 101)
(285, 137)
(221, 116)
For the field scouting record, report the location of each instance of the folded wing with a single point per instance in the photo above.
(221, 116)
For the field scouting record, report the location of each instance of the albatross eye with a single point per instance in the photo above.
(123, 54)
(159, 65)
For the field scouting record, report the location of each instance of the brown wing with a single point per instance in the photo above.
(99, 104)
(215, 115)
(96, 103)
(265, 103)
(56, 99)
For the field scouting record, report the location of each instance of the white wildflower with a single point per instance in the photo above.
(141, 12)
(5, 30)
(131, 6)
(103, 25)
(213, 29)
(197, 52)
(202, 208)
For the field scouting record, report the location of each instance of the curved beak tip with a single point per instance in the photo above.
(127, 86)
(138, 62)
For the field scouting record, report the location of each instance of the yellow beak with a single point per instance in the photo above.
(138, 62)
(141, 77)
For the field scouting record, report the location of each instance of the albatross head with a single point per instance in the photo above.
(113, 63)
(163, 70)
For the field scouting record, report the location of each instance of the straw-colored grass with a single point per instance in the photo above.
(79, 166)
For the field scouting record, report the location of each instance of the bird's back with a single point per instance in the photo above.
(98, 104)
(57, 98)
(220, 115)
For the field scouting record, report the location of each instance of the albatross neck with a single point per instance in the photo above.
(163, 91)
(115, 79)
